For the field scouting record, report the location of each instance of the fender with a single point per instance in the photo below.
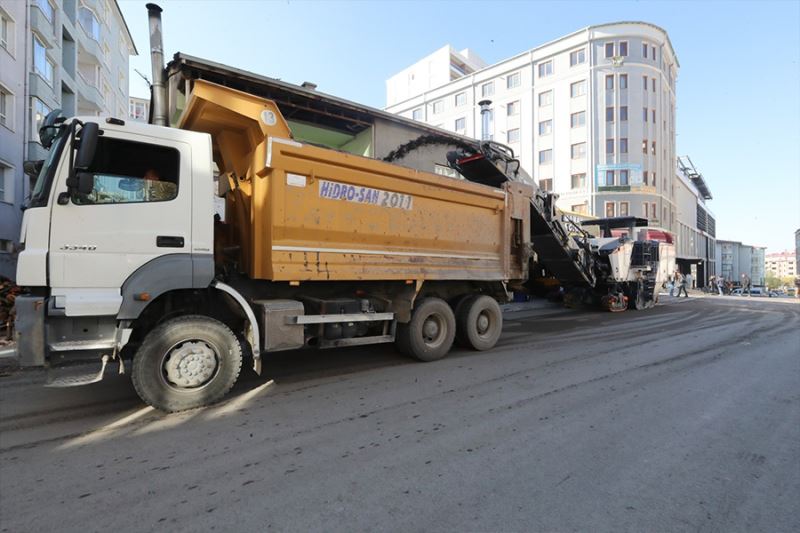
(251, 333)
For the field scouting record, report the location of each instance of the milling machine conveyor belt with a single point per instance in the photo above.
(567, 258)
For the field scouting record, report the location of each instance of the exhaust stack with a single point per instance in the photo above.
(485, 135)
(158, 100)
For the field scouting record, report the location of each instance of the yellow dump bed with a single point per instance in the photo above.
(300, 212)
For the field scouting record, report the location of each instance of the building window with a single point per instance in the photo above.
(513, 135)
(6, 32)
(646, 210)
(644, 146)
(610, 146)
(545, 157)
(546, 185)
(644, 178)
(609, 49)
(623, 113)
(545, 98)
(512, 80)
(623, 81)
(609, 178)
(644, 81)
(653, 147)
(581, 209)
(438, 107)
(545, 68)
(653, 112)
(578, 151)
(5, 173)
(546, 127)
(38, 111)
(461, 99)
(653, 84)
(417, 114)
(444, 170)
(88, 21)
(623, 178)
(47, 9)
(577, 89)
(577, 120)
(644, 114)
(41, 63)
(610, 82)
(644, 54)
(653, 52)
(6, 107)
(654, 179)
(623, 48)
(609, 114)
(577, 57)
(137, 110)
(487, 89)
(623, 207)
(512, 108)
(461, 124)
(623, 145)
(611, 209)
(653, 210)
(578, 181)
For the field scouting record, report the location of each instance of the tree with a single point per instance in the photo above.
(773, 281)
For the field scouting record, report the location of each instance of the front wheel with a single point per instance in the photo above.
(430, 333)
(186, 362)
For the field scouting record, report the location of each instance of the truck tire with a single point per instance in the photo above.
(186, 362)
(430, 333)
(479, 322)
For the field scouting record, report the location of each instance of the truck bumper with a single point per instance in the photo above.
(30, 330)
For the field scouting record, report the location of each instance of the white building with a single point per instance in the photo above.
(138, 109)
(71, 55)
(591, 115)
(695, 224)
(734, 259)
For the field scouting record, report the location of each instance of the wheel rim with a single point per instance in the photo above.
(190, 365)
(434, 331)
(483, 323)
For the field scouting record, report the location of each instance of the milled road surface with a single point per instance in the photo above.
(682, 418)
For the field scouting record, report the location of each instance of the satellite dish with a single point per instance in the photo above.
(617, 61)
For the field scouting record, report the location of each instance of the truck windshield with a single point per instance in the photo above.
(41, 190)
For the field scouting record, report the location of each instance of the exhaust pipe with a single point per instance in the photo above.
(158, 99)
(485, 135)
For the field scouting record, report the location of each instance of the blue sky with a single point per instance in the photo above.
(738, 86)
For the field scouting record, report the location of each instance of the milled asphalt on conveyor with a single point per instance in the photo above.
(683, 417)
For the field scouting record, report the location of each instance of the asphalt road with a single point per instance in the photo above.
(682, 418)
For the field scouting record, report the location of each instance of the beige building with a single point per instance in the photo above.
(781, 264)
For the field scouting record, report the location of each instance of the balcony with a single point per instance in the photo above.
(44, 28)
(89, 96)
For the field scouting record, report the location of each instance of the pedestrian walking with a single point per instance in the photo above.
(745, 284)
(673, 283)
(721, 286)
(681, 282)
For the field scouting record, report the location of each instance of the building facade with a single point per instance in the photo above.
(591, 115)
(734, 259)
(71, 55)
(781, 264)
(695, 228)
(138, 109)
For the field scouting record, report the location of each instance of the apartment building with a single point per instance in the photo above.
(781, 264)
(71, 55)
(695, 226)
(138, 109)
(734, 259)
(590, 115)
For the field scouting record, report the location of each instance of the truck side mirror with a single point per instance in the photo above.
(85, 155)
(85, 182)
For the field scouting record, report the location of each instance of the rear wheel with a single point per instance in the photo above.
(479, 322)
(186, 362)
(430, 333)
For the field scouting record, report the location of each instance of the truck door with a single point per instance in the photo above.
(139, 209)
